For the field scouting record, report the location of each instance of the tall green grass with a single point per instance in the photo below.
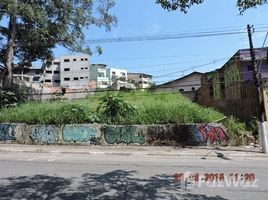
(152, 108)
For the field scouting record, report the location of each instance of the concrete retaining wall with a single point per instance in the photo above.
(87, 134)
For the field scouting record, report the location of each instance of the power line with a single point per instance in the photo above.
(153, 57)
(191, 68)
(173, 36)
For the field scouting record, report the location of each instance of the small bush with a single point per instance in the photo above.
(10, 98)
(114, 108)
(236, 131)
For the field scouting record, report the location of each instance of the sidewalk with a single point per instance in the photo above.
(203, 152)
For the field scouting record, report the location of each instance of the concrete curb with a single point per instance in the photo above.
(132, 151)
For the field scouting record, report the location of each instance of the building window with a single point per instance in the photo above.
(49, 72)
(86, 59)
(123, 74)
(82, 68)
(113, 73)
(66, 60)
(56, 72)
(193, 88)
(66, 69)
(211, 93)
(57, 81)
(101, 74)
(47, 81)
(82, 59)
(86, 67)
(66, 79)
(76, 78)
(86, 77)
(140, 76)
(267, 57)
(181, 90)
(74, 59)
(81, 78)
(250, 68)
(145, 82)
(36, 78)
(56, 63)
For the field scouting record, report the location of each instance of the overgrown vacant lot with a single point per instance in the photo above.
(151, 108)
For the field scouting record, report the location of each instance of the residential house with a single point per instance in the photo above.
(187, 85)
(116, 74)
(98, 75)
(232, 87)
(140, 79)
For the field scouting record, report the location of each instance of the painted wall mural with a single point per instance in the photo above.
(7, 132)
(44, 134)
(209, 134)
(123, 134)
(78, 133)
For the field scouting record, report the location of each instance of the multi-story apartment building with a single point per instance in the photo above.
(68, 72)
(140, 79)
(98, 74)
(116, 74)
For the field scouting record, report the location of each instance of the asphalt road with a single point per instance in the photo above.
(80, 176)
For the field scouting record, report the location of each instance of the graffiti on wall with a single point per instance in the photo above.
(7, 132)
(44, 134)
(78, 133)
(162, 134)
(124, 134)
(208, 134)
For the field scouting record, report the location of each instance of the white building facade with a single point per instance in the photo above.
(98, 74)
(68, 72)
(116, 74)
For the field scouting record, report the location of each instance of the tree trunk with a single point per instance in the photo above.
(7, 78)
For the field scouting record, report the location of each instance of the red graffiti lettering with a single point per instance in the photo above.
(212, 134)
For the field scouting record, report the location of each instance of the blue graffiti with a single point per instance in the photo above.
(44, 134)
(78, 133)
(7, 132)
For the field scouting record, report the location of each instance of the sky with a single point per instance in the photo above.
(170, 59)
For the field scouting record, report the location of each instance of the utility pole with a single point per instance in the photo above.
(258, 83)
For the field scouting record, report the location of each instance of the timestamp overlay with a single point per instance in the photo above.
(189, 179)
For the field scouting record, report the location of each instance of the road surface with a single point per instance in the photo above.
(57, 175)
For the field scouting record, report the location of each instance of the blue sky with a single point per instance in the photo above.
(144, 17)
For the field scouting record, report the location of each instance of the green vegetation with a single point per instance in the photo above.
(42, 25)
(184, 5)
(10, 98)
(114, 108)
(151, 108)
(123, 108)
(236, 131)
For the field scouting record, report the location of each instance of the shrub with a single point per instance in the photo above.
(10, 98)
(236, 131)
(114, 108)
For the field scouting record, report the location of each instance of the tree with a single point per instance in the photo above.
(184, 5)
(34, 27)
